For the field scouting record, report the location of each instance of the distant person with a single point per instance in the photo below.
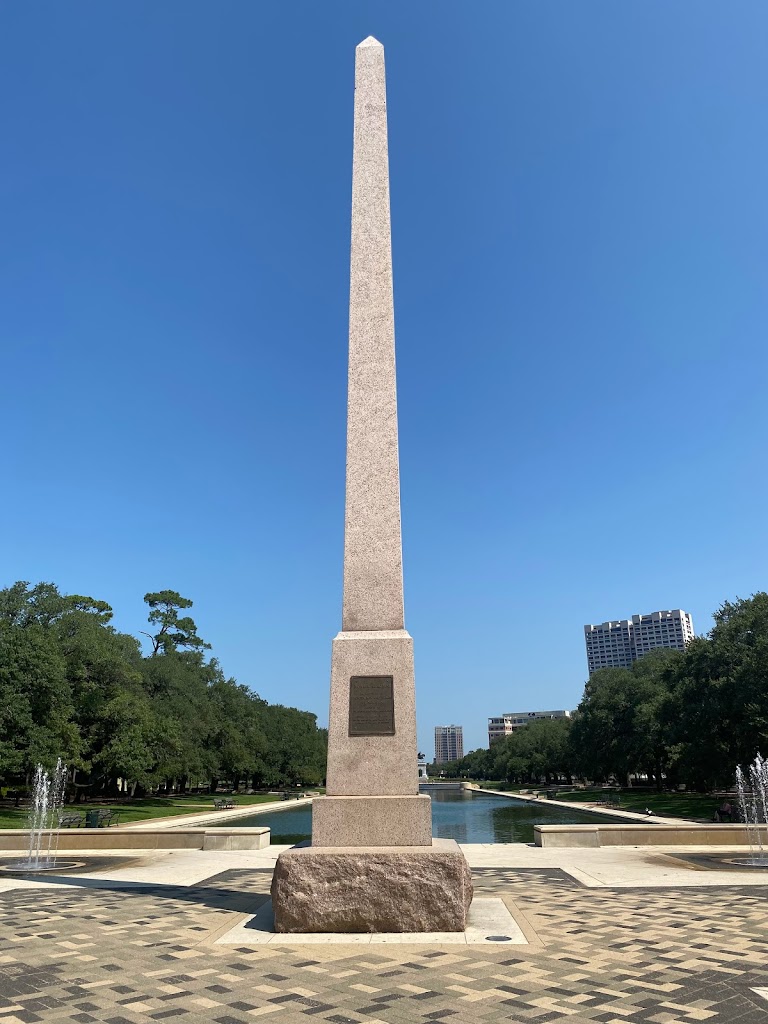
(724, 812)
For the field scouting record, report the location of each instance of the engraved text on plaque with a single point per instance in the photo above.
(371, 706)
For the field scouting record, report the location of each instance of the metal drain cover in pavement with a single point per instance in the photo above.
(498, 938)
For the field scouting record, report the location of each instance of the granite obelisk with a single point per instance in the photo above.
(372, 785)
(372, 865)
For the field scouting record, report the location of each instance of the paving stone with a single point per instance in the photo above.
(642, 956)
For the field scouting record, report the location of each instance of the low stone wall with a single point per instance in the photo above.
(144, 839)
(683, 834)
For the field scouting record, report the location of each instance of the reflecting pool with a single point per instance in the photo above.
(456, 814)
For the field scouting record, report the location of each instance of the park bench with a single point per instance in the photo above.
(71, 821)
(224, 804)
(101, 818)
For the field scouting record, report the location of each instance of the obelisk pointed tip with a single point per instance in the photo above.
(370, 41)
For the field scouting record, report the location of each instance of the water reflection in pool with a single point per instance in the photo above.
(456, 814)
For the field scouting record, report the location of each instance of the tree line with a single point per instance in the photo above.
(675, 717)
(72, 686)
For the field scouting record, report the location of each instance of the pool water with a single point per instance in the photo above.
(456, 814)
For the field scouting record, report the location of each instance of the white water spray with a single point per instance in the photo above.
(45, 814)
(752, 787)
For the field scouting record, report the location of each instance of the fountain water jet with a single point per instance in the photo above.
(44, 816)
(752, 787)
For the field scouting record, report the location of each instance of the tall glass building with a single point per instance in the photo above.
(449, 743)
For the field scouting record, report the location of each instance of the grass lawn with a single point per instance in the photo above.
(694, 806)
(142, 809)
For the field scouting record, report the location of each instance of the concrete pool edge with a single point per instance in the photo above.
(100, 839)
(647, 834)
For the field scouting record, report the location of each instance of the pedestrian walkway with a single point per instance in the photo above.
(222, 817)
(611, 935)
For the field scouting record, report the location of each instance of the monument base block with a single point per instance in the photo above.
(372, 821)
(369, 889)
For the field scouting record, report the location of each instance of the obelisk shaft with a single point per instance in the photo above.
(373, 570)
(372, 780)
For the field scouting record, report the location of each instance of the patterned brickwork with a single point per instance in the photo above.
(135, 955)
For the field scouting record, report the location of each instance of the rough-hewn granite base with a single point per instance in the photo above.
(368, 889)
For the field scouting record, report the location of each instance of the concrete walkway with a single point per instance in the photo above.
(217, 817)
(609, 936)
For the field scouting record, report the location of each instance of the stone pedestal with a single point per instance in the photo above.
(380, 759)
(365, 889)
(372, 782)
(372, 821)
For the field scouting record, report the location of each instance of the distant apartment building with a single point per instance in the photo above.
(449, 743)
(619, 644)
(505, 725)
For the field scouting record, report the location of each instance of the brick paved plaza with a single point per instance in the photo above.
(613, 936)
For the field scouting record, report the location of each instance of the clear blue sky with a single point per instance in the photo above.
(580, 232)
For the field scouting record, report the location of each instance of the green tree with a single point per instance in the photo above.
(237, 735)
(296, 749)
(618, 729)
(177, 683)
(716, 714)
(126, 740)
(539, 751)
(174, 631)
(72, 686)
(40, 669)
(36, 711)
(477, 764)
(23, 605)
(544, 747)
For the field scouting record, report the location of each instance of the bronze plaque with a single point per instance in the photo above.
(371, 706)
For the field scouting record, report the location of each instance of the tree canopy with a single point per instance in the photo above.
(675, 717)
(72, 686)
(174, 631)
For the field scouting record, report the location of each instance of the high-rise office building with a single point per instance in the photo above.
(505, 725)
(449, 743)
(618, 644)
